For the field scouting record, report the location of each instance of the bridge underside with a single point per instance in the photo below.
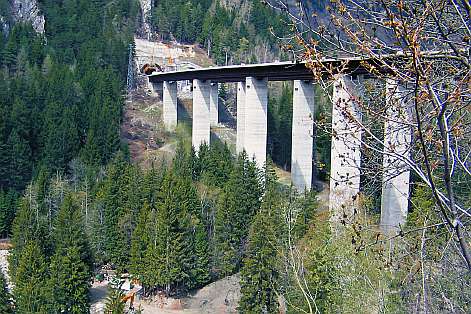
(279, 71)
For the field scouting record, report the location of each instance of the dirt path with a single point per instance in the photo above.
(220, 297)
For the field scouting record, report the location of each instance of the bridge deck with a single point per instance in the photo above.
(278, 71)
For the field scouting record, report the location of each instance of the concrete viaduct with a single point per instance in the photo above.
(252, 100)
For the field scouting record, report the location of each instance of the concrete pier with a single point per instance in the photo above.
(256, 101)
(214, 104)
(170, 105)
(302, 135)
(345, 152)
(396, 173)
(201, 123)
(240, 117)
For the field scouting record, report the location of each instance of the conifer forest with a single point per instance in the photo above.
(83, 221)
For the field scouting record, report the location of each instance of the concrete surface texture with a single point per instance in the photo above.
(302, 135)
(214, 104)
(396, 173)
(255, 134)
(345, 152)
(170, 105)
(201, 123)
(240, 117)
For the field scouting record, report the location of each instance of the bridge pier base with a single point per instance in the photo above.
(240, 117)
(170, 105)
(201, 122)
(396, 173)
(345, 152)
(302, 135)
(256, 101)
(214, 104)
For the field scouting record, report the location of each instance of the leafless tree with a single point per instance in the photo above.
(423, 47)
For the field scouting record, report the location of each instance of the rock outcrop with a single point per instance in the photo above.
(145, 30)
(28, 11)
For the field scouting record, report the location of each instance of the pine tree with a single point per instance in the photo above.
(30, 280)
(259, 274)
(114, 303)
(200, 271)
(237, 206)
(20, 161)
(169, 257)
(5, 297)
(69, 232)
(69, 280)
(140, 243)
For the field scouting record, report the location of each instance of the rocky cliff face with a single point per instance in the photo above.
(4, 26)
(27, 11)
(145, 30)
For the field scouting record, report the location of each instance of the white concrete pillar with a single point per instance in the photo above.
(170, 105)
(240, 117)
(201, 124)
(396, 173)
(302, 135)
(256, 101)
(156, 89)
(214, 104)
(345, 151)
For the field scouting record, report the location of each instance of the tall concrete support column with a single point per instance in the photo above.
(170, 105)
(396, 173)
(302, 135)
(201, 124)
(345, 152)
(156, 89)
(240, 117)
(256, 100)
(214, 104)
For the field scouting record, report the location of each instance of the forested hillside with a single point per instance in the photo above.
(69, 197)
(242, 31)
(72, 203)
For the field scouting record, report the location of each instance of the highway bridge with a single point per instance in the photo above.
(252, 100)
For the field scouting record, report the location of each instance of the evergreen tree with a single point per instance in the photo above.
(5, 297)
(259, 274)
(114, 303)
(20, 161)
(237, 206)
(200, 273)
(69, 280)
(140, 243)
(31, 276)
(69, 233)
(8, 204)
